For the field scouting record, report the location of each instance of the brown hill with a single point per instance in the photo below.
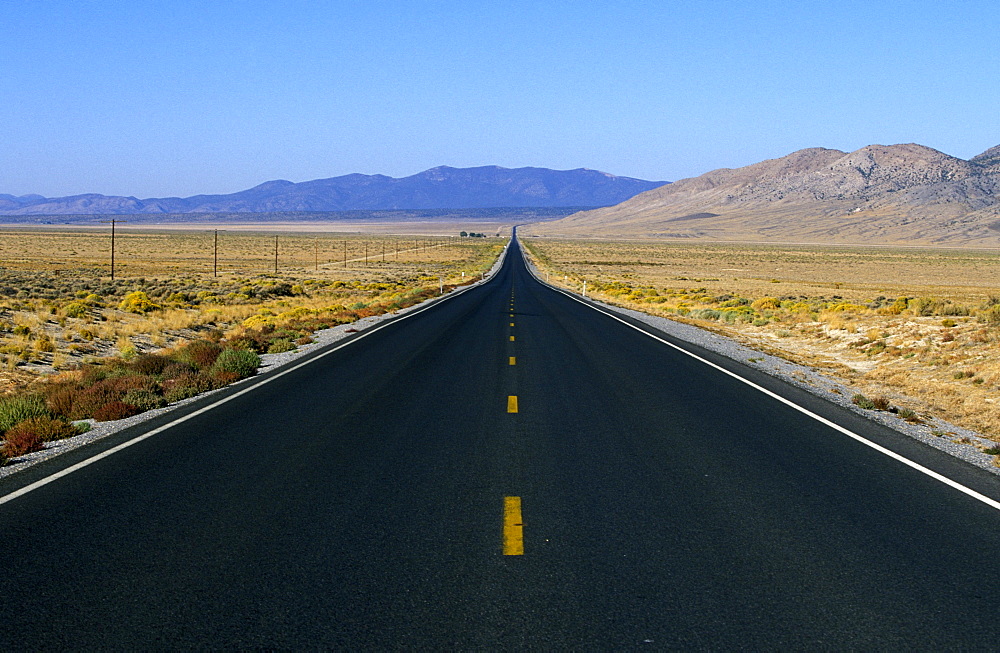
(896, 194)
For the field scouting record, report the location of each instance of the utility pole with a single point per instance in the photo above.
(276, 254)
(366, 253)
(317, 255)
(215, 256)
(113, 222)
(345, 253)
(383, 251)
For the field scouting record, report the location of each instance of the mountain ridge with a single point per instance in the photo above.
(902, 194)
(442, 187)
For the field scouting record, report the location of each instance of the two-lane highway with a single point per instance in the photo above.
(508, 469)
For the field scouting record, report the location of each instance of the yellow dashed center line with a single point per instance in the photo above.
(512, 324)
(513, 527)
(513, 360)
(512, 404)
(512, 338)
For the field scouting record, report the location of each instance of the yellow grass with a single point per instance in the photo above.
(59, 306)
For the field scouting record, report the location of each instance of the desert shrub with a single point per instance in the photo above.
(947, 323)
(59, 398)
(280, 345)
(144, 400)
(304, 340)
(223, 378)
(881, 403)
(149, 364)
(175, 369)
(187, 385)
(241, 362)
(94, 373)
(46, 428)
(75, 309)
(44, 343)
(19, 408)
(137, 302)
(990, 315)
(862, 401)
(90, 400)
(254, 341)
(909, 415)
(766, 304)
(115, 410)
(179, 393)
(21, 442)
(200, 353)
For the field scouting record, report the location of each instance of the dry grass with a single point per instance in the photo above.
(60, 308)
(919, 327)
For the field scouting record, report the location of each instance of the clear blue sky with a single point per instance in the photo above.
(168, 98)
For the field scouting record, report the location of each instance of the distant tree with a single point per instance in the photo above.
(464, 234)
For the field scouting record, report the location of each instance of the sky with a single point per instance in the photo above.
(175, 98)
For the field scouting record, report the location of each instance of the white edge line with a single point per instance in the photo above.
(204, 409)
(805, 411)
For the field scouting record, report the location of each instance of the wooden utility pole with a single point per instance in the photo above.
(383, 251)
(276, 254)
(366, 253)
(345, 253)
(215, 256)
(317, 255)
(113, 222)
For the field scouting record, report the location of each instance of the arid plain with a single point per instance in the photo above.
(60, 306)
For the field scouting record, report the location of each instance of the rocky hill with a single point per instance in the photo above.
(896, 194)
(437, 188)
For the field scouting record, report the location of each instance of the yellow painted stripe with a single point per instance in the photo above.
(513, 527)
(513, 360)
(512, 404)
(512, 338)
(512, 324)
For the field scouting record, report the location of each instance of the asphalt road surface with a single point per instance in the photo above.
(509, 469)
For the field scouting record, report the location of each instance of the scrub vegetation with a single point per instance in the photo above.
(76, 345)
(915, 331)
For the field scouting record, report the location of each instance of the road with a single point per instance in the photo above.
(358, 502)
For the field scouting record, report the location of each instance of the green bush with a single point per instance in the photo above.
(862, 401)
(241, 362)
(144, 399)
(281, 345)
(17, 409)
(187, 385)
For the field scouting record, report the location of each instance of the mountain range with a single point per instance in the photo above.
(438, 188)
(895, 194)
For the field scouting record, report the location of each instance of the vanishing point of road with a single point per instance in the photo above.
(508, 469)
